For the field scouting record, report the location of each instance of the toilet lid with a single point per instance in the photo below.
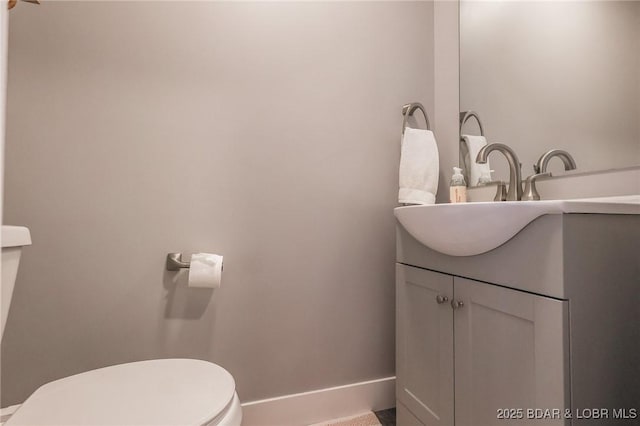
(159, 392)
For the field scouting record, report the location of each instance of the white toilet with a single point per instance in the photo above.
(157, 392)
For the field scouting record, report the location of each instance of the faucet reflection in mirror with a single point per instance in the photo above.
(543, 161)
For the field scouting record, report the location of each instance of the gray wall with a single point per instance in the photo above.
(556, 74)
(4, 32)
(267, 132)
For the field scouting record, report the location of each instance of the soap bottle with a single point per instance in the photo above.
(458, 187)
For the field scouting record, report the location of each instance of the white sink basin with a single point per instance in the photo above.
(467, 229)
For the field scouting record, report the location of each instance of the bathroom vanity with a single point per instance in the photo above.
(541, 329)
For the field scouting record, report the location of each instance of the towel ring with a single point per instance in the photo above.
(465, 116)
(409, 109)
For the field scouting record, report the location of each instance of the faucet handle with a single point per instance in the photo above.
(530, 191)
(501, 191)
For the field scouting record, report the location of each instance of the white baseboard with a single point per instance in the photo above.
(324, 404)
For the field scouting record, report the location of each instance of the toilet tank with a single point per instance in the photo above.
(13, 239)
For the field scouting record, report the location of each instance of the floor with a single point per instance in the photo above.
(386, 417)
(378, 418)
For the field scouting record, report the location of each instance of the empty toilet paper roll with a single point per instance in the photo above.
(205, 270)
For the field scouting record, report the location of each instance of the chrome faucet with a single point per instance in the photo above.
(514, 192)
(567, 159)
(540, 168)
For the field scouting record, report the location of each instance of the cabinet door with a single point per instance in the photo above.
(424, 333)
(511, 352)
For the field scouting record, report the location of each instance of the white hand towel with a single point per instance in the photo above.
(419, 167)
(474, 144)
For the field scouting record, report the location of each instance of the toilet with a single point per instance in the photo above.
(154, 392)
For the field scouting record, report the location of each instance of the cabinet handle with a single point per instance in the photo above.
(441, 299)
(456, 304)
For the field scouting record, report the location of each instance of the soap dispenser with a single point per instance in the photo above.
(458, 187)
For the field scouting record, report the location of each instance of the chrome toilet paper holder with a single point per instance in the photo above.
(175, 262)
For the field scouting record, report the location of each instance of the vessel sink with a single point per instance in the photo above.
(467, 229)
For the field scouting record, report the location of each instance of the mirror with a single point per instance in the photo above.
(545, 75)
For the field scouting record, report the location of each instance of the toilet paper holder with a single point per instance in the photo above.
(175, 263)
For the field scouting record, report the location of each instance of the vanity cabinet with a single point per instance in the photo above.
(424, 344)
(468, 350)
(548, 322)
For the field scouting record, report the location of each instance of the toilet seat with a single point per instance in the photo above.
(158, 392)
